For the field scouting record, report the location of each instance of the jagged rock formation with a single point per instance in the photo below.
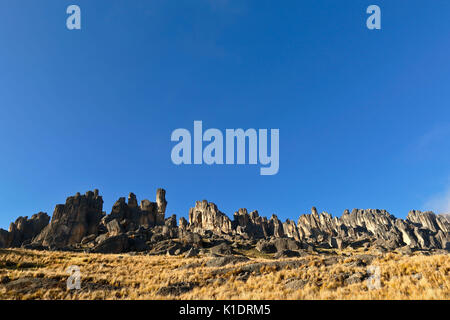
(429, 220)
(129, 216)
(251, 224)
(206, 217)
(80, 224)
(72, 221)
(4, 238)
(23, 230)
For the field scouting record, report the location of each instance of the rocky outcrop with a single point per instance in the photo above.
(206, 216)
(4, 238)
(419, 230)
(81, 224)
(291, 230)
(130, 216)
(250, 225)
(23, 230)
(429, 220)
(72, 221)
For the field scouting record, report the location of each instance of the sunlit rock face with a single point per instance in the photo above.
(71, 222)
(80, 223)
(206, 216)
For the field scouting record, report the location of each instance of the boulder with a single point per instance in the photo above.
(89, 238)
(286, 244)
(295, 284)
(265, 246)
(114, 244)
(176, 289)
(192, 239)
(114, 228)
(357, 277)
(223, 261)
(138, 244)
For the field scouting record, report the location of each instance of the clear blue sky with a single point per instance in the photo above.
(363, 115)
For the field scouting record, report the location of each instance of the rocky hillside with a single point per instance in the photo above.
(81, 225)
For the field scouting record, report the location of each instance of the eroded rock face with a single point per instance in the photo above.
(4, 238)
(171, 222)
(161, 205)
(291, 230)
(206, 216)
(115, 244)
(250, 225)
(419, 230)
(429, 220)
(265, 246)
(80, 223)
(23, 230)
(130, 216)
(72, 221)
(276, 227)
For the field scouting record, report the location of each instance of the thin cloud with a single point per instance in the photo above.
(439, 203)
(436, 137)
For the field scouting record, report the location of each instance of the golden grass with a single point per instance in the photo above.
(140, 276)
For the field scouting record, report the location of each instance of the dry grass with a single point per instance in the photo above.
(126, 276)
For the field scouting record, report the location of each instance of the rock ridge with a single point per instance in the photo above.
(81, 224)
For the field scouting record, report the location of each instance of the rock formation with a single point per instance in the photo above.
(205, 216)
(129, 216)
(81, 224)
(72, 221)
(23, 230)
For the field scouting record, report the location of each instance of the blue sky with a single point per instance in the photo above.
(363, 115)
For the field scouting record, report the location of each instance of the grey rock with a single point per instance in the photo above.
(287, 254)
(176, 289)
(115, 244)
(223, 261)
(265, 247)
(357, 277)
(114, 228)
(222, 249)
(295, 284)
(206, 216)
(336, 243)
(72, 221)
(88, 239)
(23, 230)
(282, 244)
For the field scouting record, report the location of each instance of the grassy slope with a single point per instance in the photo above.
(125, 276)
